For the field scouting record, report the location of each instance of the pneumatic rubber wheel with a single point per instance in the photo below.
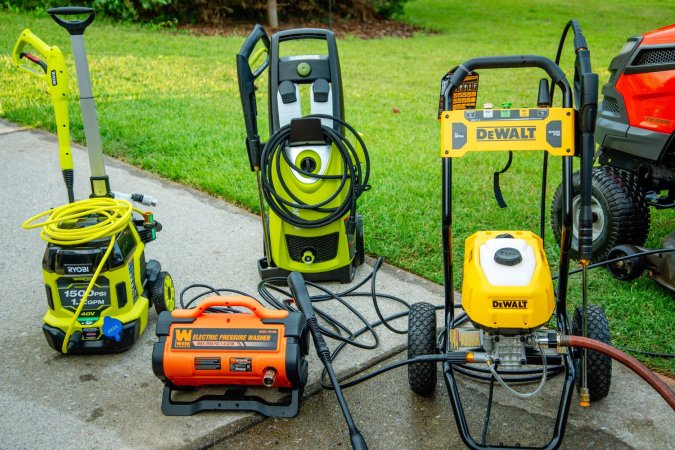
(628, 269)
(360, 254)
(620, 211)
(422, 341)
(599, 365)
(163, 294)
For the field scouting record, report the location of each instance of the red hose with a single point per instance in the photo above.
(628, 361)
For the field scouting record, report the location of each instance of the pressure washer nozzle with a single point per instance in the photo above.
(584, 397)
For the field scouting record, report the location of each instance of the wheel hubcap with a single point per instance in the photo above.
(169, 297)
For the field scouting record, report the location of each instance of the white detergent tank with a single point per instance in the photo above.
(507, 262)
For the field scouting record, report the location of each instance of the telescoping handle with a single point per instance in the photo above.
(74, 27)
(509, 62)
(217, 301)
(246, 77)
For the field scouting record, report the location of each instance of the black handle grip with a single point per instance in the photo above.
(579, 39)
(304, 33)
(74, 27)
(249, 44)
(502, 62)
(34, 59)
(300, 294)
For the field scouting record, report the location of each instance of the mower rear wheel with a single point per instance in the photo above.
(628, 269)
(599, 365)
(422, 341)
(360, 254)
(163, 293)
(619, 207)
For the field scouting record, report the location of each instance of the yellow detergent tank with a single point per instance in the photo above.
(507, 287)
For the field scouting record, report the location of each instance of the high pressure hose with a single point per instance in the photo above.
(627, 360)
(112, 215)
(353, 179)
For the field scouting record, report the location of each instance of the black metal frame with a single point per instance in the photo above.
(559, 79)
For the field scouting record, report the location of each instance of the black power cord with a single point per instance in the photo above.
(353, 179)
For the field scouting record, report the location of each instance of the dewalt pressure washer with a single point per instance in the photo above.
(309, 174)
(97, 280)
(214, 344)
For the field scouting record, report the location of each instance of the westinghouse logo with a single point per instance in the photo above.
(509, 304)
(505, 133)
(182, 338)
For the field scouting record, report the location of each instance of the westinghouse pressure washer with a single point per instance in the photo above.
(309, 174)
(97, 280)
(214, 344)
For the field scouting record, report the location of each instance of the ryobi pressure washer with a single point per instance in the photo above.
(97, 280)
(309, 174)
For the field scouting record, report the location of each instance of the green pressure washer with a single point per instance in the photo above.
(97, 280)
(309, 174)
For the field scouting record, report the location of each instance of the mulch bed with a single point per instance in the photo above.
(372, 29)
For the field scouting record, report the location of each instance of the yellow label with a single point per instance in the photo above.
(484, 130)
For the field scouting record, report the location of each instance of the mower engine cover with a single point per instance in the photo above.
(507, 287)
(210, 345)
(636, 116)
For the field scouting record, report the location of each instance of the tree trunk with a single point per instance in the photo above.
(272, 13)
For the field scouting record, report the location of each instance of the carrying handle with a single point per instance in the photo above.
(509, 62)
(74, 27)
(304, 33)
(217, 301)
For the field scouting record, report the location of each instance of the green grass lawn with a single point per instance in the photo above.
(168, 103)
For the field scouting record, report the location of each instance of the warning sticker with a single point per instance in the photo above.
(225, 338)
(464, 96)
(202, 363)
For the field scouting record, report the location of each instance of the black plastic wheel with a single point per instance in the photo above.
(599, 366)
(163, 294)
(621, 213)
(359, 244)
(422, 341)
(628, 269)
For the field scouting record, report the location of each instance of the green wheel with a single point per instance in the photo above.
(163, 294)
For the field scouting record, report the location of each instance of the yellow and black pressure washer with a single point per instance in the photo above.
(97, 280)
(309, 174)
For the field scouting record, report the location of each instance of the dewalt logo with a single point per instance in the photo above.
(488, 134)
(509, 304)
(182, 338)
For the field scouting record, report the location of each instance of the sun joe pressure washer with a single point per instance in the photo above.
(97, 280)
(214, 344)
(309, 174)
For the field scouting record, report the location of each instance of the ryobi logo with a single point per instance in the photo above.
(53, 77)
(77, 269)
(509, 304)
(505, 133)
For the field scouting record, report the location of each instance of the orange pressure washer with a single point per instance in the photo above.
(214, 344)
